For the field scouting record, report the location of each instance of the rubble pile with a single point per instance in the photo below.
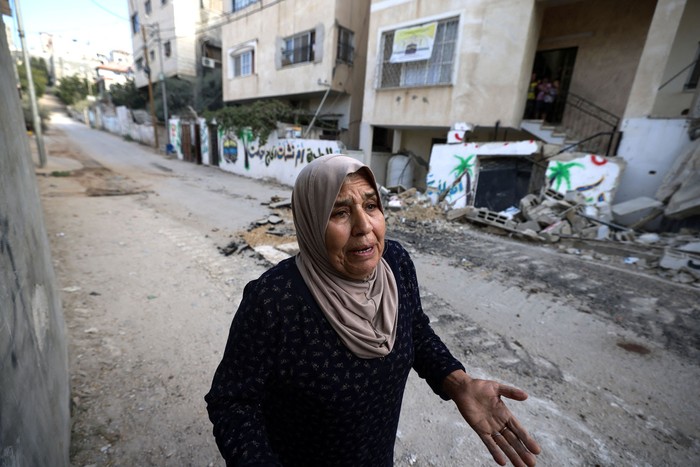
(567, 221)
(411, 205)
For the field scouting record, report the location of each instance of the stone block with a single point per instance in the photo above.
(631, 211)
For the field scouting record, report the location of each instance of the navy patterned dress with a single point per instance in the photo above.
(288, 392)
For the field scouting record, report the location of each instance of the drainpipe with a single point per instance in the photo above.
(318, 110)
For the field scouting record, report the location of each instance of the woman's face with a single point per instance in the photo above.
(355, 231)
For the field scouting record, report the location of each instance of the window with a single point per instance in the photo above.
(299, 48)
(147, 6)
(135, 27)
(167, 49)
(163, 2)
(694, 76)
(152, 53)
(139, 64)
(435, 70)
(240, 4)
(346, 50)
(242, 62)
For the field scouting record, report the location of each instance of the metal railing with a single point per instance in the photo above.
(594, 129)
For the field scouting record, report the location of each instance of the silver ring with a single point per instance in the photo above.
(498, 433)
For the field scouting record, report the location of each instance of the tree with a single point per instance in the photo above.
(212, 93)
(260, 118)
(180, 96)
(128, 95)
(40, 76)
(72, 89)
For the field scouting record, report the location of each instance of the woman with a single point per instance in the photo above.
(321, 345)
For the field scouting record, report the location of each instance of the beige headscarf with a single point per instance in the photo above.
(363, 313)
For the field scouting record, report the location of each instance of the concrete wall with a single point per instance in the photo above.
(34, 380)
(181, 23)
(610, 36)
(672, 98)
(264, 31)
(448, 161)
(492, 64)
(657, 49)
(278, 159)
(650, 146)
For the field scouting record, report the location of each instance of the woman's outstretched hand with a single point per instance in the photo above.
(479, 402)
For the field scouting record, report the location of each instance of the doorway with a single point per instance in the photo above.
(556, 65)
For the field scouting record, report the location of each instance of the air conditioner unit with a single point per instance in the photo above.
(208, 62)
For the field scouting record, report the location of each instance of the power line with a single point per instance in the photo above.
(116, 15)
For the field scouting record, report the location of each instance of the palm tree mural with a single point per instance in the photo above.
(463, 168)
(559, 172)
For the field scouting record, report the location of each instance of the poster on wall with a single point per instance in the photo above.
(413, 44)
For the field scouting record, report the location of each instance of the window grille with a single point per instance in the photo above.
(242, 63)
(346, 50)
(240, 4)
(147, 7)
(167, 49)
(434, 71)
(299, 48)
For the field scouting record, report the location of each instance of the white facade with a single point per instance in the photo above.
(177, 33)
(307, 52)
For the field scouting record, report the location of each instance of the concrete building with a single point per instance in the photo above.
(34, 379)
(182, 39)
(627, 73)
(310, 53)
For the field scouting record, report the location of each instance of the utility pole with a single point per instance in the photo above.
(161, 76)
(32, 93)
(150, 87)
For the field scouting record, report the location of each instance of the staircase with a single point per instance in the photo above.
(584, 127)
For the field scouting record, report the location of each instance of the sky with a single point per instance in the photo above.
(102, 23)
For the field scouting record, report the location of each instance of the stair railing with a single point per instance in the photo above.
(594, 128)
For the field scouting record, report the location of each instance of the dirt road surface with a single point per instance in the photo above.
(609, 354)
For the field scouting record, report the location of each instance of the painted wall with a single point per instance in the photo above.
(448, 161)
(595, 177)
(278, 159)
(34, 380)
(650, 147)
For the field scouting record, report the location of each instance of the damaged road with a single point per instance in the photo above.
(608, 351)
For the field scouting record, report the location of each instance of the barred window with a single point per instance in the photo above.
(299, 48)
(240, 4)
(346, 50)
(167, 49)
(433, 71)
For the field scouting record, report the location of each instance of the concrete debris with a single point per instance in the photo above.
(632, 211)
(270, 253)
(551, 217)
(284, 203)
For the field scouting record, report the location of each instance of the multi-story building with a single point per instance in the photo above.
(627, 73)
(182, 40)
(310, 53)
